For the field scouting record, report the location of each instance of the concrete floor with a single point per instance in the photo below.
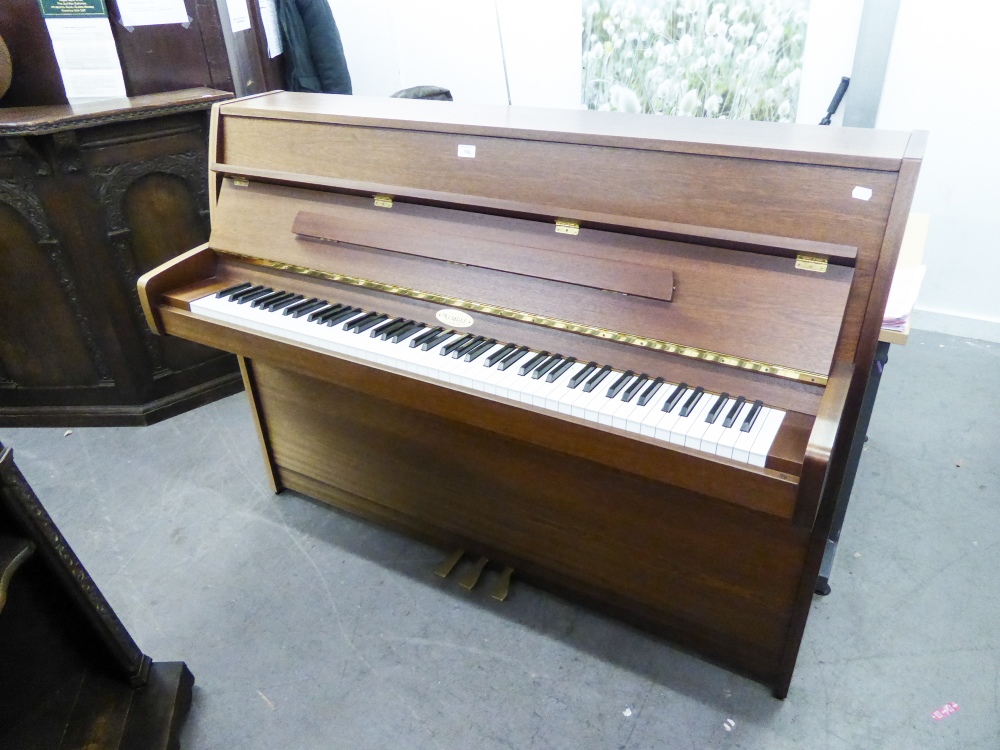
(306, 628)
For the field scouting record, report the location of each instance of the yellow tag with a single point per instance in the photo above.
(240, 182)
(383, 201)
(811, 263)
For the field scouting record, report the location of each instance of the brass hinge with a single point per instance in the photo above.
(567, 226)
(383, 201)
(815, 263)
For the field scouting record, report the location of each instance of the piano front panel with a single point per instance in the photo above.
(710, 574)
(768, 197)
(737, 303)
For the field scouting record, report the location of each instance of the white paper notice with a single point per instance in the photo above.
(269, 15)
(239, 15)
(87, 57)
(152, 12)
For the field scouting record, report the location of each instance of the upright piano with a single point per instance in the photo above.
(622, 354)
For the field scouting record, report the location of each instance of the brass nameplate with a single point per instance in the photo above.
(383, 201)
(567, 226)
(811, 263)
(542, 320)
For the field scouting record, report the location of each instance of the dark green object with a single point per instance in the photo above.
(73, 8)
(314, 54)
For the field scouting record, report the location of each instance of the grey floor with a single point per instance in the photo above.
(308, 629)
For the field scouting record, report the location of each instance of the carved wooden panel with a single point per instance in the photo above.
(83, 212)
(47, 340)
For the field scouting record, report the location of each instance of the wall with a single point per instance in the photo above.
(828, 56)
(942, 78)
(457, 44)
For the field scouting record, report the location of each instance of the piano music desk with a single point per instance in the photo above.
(911, 255)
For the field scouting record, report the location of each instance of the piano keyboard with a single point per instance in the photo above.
(677, 413)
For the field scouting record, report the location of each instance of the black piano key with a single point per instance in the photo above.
(558, 372)
(596, 379)
(671, 402)
(477, 351)
(439, 339)
(391, 331)
(650, 391)
(716, 410)
(467, 347)
(359, 320)
(233, 289)
(366, 325)
(266, 298)
(547, 365)
(320, 316)
(306, 309)
(282, 303)
(452, 346)
(583, 374)
(237, 296)
(751, 416)
(734, 412)
(426, 335)
(297, 305)
(513, 358)
(250, 297)
(344, 315)
(499, 354)
(692, 401)
(410, 329)
(622, 381)
(388, 326)
(275, 299)
(532, 363)
(632, 390)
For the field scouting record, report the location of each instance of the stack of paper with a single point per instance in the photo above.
(902, 297)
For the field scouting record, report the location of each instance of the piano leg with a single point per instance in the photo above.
(853, 461)
(250, 384)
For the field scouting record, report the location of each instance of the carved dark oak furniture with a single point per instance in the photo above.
(91, 197)
(744, 264)
(70, 674)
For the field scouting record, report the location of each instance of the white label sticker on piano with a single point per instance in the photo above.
(454, 318)
(862, 193)
(467, 152)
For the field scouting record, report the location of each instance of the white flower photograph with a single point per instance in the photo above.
(738, 59)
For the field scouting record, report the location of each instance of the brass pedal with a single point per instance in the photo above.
(470, 579)
(502, 588)
(449, 564)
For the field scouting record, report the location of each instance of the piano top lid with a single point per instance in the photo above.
(788, 142)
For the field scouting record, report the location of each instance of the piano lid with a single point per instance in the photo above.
(812, 144)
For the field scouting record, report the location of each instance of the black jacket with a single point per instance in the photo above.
(314, 54)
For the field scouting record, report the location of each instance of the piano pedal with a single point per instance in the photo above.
(470, 579)
(502, 589)
(447, 565)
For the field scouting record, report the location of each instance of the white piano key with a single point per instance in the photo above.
(710, 438)
(761, 446)
(680, 429)
(741, 450)
(732, 434)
